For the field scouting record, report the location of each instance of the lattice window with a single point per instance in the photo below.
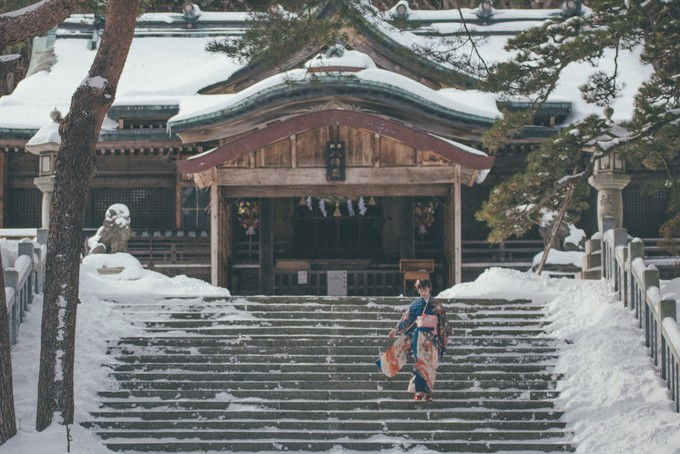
(23, 208)
(195, 208)
(150, 208)
(644, 211)
(471, 202)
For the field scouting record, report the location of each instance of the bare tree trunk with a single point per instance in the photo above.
(556, 227)
(8, 425)
(74, 171)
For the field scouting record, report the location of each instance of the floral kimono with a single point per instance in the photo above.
(426, 345)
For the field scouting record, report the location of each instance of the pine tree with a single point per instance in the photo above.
(541, 55)
(74, 170)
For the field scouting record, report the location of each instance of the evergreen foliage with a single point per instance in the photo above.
(541, 55)
(280, 30)
(516, 205)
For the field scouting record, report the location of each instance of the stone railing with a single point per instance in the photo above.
(24, 279)
(636, 284)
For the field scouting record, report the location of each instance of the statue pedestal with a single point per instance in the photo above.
(111, 270)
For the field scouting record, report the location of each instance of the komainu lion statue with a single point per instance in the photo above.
(114, 234)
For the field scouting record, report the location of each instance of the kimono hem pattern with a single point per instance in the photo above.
(426, 345)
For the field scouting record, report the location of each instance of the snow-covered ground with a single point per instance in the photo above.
(614, 399)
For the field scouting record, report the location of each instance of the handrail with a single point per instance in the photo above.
(636, 284)
(24, 279)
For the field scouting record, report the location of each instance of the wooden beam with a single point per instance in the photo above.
(458, 240)
(316, 176)
(393, 190)
(473, 177)
(376, 150)
(205, 178)
(165, 181)
(225, 239)
(214, 232)
(449, 235)
(178, 201)
(3, 184)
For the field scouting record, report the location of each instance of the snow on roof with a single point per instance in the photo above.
(461, 146)
(470, 14)
(48, 134)
(373, 75)
(171, 70)
(348, 59)
(168, 18)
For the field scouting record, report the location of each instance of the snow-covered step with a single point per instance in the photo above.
(518, 386)
(391, 316)
(297, 373)
(175, 375)
(335, 330)
(123, 351)
(311, 394)
(315, 424)
(388, 402)
(495, 435)
(328, 367)
(507, 358)
(415, 413)
(325, 340)
(311, 445)
(386, 325)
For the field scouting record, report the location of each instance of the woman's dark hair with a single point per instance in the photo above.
(424, 283)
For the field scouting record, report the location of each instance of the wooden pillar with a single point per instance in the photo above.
(214, 229)
(224, 222)
(407, 233)
(449, 237)
(3, 183)
(457, 227)
(178, 201)
(266, 246)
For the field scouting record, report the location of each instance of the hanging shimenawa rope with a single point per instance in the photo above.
(249, 216)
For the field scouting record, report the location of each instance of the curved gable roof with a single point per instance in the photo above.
(376, 90)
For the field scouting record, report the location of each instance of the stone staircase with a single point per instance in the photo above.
(297, 374)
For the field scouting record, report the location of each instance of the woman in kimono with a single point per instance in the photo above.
(425, 340)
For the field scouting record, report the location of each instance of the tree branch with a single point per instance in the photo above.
(34, 20)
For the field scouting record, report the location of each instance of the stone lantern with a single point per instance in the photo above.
(609, 174)
(45, 144)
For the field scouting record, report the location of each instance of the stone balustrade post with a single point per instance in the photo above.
(667, 308)
(27, 250)
(636, 249)
(650, 278)
(41, 236)
(11, 281)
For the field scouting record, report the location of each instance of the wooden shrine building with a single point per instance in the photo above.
(315, 174)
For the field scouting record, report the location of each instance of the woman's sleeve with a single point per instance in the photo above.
(407, 319)
(444, 330)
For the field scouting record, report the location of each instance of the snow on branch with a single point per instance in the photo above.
(34, 20)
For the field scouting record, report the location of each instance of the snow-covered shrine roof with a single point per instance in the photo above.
(168, 67)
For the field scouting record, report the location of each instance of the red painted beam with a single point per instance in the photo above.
(407, 135)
